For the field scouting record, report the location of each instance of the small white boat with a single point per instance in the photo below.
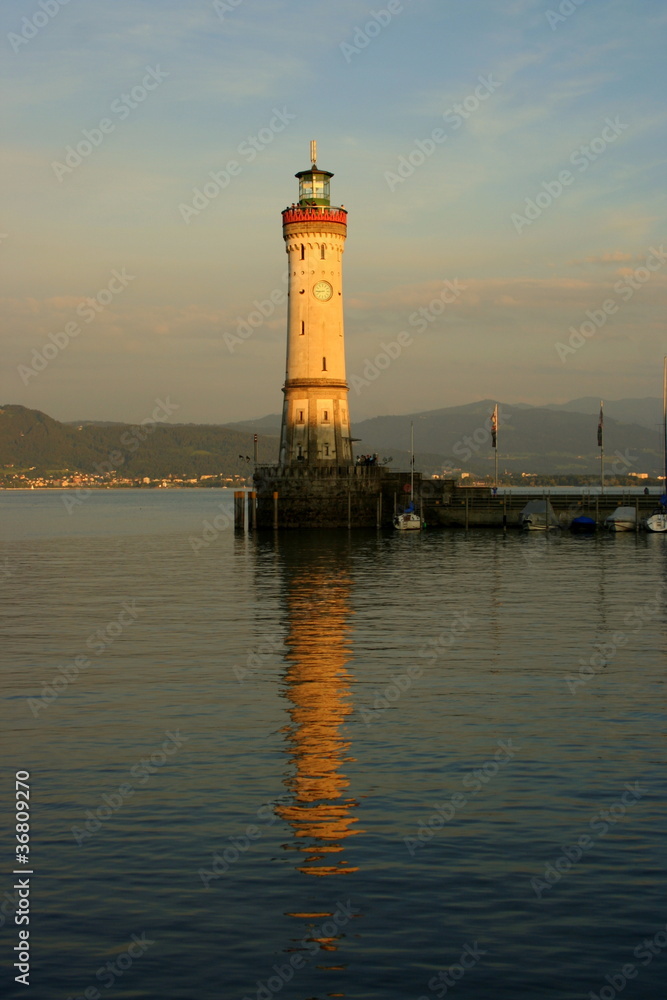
(409, 519)
(657, 521)
(538, 515)
(408, 522)
(622, 519)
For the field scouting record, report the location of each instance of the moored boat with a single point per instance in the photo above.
(657, 521)
(622, 519)
(538, 515)
(583, 524)
(409, 519)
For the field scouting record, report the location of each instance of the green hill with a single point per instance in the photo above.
(542, 440)
(30, 439)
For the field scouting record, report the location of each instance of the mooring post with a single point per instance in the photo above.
(239, 510)
(252, 510)
(275, 510)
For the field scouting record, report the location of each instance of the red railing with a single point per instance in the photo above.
(315, 214)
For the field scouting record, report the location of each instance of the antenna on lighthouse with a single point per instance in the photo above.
(313, 151)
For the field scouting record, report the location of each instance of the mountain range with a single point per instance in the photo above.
(556, 439)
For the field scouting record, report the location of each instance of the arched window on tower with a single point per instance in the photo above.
(324, 364)
(323, 249)
(303, 252)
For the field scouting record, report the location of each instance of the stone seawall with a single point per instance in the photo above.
(337, 497)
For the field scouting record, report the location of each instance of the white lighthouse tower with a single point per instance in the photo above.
(316, 423)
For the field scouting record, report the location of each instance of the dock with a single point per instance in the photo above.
(448, 505)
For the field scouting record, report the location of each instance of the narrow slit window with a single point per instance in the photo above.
(303, 252)
(303, 328)
(324, 364)
(326, 416)
(300, 416)
(326, 451)
(323, 249)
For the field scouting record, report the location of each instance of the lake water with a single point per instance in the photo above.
(360, 765)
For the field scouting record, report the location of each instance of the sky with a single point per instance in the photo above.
(502, 163)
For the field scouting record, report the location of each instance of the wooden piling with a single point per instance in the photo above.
(239, 510)
(252, 510)
(275, 511)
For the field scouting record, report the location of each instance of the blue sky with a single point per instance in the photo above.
(568, 89)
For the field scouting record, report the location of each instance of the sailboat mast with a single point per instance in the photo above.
(412, 462)
(664, 418)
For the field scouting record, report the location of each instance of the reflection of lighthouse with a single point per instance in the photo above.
(316, 685)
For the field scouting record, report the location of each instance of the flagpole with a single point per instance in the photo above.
(601, 443)
(494, 441)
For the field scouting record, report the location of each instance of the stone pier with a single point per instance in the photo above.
(356, 496)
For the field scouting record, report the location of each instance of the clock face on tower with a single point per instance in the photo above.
(322, 291)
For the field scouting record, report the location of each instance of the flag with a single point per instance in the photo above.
(494, 427)
(600, 426)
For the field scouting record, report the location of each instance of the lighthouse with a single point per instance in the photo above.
(315, 483)
(315, 431)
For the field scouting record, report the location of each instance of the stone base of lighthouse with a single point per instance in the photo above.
(315, 424)
(353, 496)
